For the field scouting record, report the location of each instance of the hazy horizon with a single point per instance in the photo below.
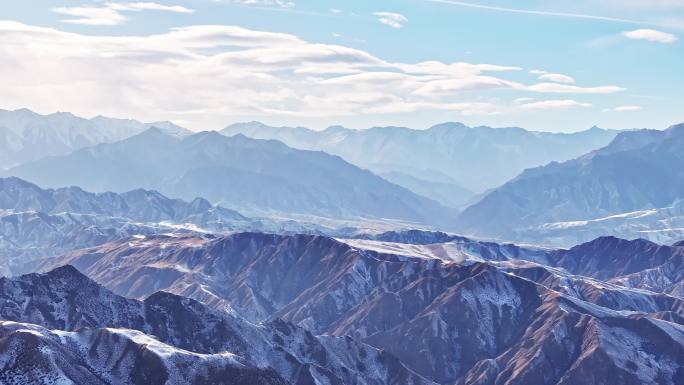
(557, 66)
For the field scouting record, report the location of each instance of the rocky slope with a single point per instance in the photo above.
(471, 321)
(661, 225)
(639, 170)
(637, 263)
(74, 328)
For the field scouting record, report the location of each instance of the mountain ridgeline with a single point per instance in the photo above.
(40, 223)
(27, 136)
(237, 172)
(477, 321)
(639, 175)
(61, 327)
(467, 158)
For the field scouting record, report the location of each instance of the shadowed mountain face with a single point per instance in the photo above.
(473, 321)
(476, 158)
(236, 172)
(26, 136)
(617, 185)
(62, 325)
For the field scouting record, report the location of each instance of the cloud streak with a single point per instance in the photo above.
(553, 104)
(623, 109)
(111, 13)
(263, 3)
(394, 20)
(538, 13)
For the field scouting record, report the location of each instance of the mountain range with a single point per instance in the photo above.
(27, 136)
(250, 175)
(449, 157)
(61, 327)
(153, 255)
(639, 175)
(39, 223)
(449, 319)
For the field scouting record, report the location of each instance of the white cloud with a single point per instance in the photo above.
(650, 35)
(553, 104)
(558, 78)
(110, 13)
(335, 10)
(552, 77)
(556, 88)
(268, 3)
(148, 6)
(623, 109)
(394, 20)
(208, 75)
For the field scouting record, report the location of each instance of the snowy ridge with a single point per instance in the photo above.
(187, 339)
(445, 320)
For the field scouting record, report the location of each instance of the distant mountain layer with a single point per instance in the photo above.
(61, 327)
(639, 170)
(138, 205)
(464, 320)
(36, 222)
(236, 172)
(476, 158)
(27, 136)
(447, 193)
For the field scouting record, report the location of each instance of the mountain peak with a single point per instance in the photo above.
(25, 112)
(677, 129)
(153, 133)
(67, 271)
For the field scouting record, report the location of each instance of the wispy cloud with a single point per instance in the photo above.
(205, 74)
(553, 104)
(112, 13)
(553, 77)
(539, 13)
(555, 88)
(263, 3)
(650, 35)
(623, 109)
(394, 20)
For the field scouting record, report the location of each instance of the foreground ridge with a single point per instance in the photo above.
(472, 321)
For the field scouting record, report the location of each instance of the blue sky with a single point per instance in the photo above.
(544, 65)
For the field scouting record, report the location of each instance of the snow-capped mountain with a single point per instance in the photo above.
(451, 319)
(26, 136)
(632, 186)
(637, 263)
(253, 176)
(75, 329)
(455, 156)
